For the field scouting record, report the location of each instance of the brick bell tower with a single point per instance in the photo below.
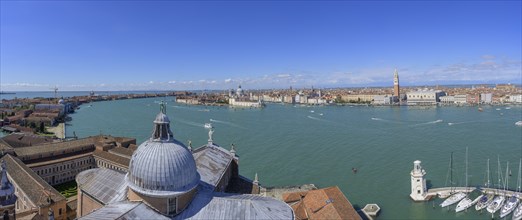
(396, 84)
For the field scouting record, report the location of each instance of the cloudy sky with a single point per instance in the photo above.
(162, 45)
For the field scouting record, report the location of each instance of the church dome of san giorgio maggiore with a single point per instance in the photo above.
(162, 166)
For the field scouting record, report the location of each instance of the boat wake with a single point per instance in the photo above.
(459, 123)
(228, 123)
(314, 118)
(385, 120)
(175, 106)
(428, 123)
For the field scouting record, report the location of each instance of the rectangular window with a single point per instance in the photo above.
(172, 206)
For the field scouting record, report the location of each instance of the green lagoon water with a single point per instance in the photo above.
(293, 145)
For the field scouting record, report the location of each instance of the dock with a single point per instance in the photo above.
(447, 191)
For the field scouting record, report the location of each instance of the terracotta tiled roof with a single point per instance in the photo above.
(24, 140)
(5, 146)
(56, 148)
(36, 189)
(293, 197)
(327, 203)
(123, 161)
(122, 151)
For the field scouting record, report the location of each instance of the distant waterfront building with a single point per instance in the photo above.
(239, 91)
(473, 99)
(424, 97)
(447, 99)
(240, 100)
(515, 98)
(461, 99)
(357, 98)
(244, 103)
(396, 88)
(383, 99)
(289, 99)
(486, 98)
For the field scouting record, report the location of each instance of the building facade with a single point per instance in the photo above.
(424, 97)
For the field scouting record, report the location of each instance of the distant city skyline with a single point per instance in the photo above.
(162, 45)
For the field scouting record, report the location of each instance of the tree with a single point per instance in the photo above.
(42, 127)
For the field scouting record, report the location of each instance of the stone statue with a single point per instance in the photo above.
(163, 107)
(210, 132)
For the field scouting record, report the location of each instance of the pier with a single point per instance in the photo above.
(447, 191)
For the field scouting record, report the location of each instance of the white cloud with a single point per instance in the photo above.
(486, 68)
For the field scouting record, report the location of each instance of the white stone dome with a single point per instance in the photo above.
(162, 166)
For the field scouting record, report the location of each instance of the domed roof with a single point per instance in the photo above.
(162, 166)
(162, 118)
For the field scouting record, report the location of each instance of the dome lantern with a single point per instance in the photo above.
(162, 130)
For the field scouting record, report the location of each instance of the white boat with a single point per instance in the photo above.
(498, 109)
(454, 198)
(512, 202)
(508, 108)
(510, 205)
(486, 198)
(497, 203)
(466, 202)
(517, 214)
(518, 123)
(484, 201)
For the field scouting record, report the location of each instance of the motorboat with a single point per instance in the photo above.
(518, 123)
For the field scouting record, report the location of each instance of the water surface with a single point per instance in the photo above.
(291, 145)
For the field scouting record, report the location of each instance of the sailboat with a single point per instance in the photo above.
(486, 198)
(467, 202)
(511, 203)
(517, 214)
(453, 198)
(498, 200)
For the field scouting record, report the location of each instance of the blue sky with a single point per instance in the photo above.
(137, 45)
